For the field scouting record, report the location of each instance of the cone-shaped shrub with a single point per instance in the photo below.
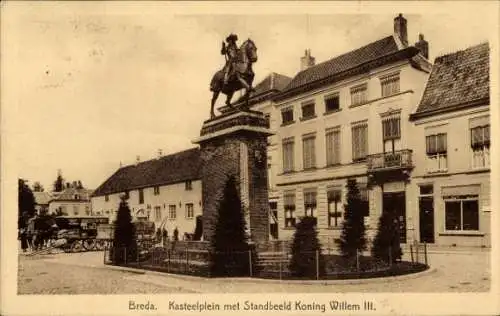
(353, 227)
(304, 250)
(386, 245)
(124, 242)
(229, 246)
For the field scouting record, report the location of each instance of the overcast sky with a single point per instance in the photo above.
(86, 86)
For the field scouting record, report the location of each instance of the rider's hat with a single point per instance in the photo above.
(232, 38)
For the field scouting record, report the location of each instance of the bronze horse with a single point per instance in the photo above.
(241, 77)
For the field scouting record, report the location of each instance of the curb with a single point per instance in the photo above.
(396, 278)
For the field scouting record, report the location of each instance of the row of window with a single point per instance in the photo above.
(188, 185)
(359, 95)
(75, 208)
(332, 136)
(334, 201)
(172, 211)
(437, 149)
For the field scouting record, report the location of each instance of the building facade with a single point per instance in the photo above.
(166, 191)
(71, 201)
(346, 118)
(451, 139)
(414, 136)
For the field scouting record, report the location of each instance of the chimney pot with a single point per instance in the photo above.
(423, 46)
(400, 29)
(307, 60)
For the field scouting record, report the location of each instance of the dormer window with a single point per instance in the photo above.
(189, 185)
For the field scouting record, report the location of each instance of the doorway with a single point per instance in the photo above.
(426, 214)
(395, 202)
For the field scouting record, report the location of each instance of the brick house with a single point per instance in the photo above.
(452, 151)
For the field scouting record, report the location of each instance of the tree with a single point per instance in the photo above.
(386, 246)
(59, 183)
(38, 187)
(353, 236)
(26, 203)
(307, 259)
(124, 243)
(229, 245)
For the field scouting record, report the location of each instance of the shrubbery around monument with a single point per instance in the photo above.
(353, 237)
(307, 260)
(124, 243)
(231, 254)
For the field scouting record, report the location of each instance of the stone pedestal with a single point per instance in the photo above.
(235, 143)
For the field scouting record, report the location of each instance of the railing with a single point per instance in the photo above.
(390, 160)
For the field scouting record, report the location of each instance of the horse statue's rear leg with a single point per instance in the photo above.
(214, 98)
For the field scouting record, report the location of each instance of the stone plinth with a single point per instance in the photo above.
(235, 143)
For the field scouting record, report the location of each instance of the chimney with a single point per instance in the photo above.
(400, 29)
(423, 46)
(160, 153)
(137, 159)
(307, 60)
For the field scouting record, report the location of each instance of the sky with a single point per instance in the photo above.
(89, 86)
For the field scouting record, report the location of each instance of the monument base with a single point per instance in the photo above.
(235, 144)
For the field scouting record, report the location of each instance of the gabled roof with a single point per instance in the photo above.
(338, 65)
(42, 198)
(178, 167)
(264, 90)
(456, 80)
(343, 62)
(273, 82)
(73, 194)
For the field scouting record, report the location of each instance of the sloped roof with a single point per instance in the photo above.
(273, 83)
(42, 198)
(374, 50)
(178, 167)
(68, 194)
(456, 79)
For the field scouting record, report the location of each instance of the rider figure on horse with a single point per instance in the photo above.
(231, 53)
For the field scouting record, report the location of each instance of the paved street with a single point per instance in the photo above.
(84, 273)
(48, 276)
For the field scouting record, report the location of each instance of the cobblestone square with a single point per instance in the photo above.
(85, 273)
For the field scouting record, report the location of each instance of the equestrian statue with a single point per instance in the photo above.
(237, 73)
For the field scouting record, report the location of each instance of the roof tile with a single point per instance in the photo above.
(457, 78)
(178, 167)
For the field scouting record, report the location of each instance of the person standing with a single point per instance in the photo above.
(24, 239)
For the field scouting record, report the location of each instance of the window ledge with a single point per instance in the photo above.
(285, 173)
(462, 233)
(334, 228)
(302, 119)
(334, 165)
(288, 228)
(478, 170)
(287, 123)
(310, 169)
(332, 111)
